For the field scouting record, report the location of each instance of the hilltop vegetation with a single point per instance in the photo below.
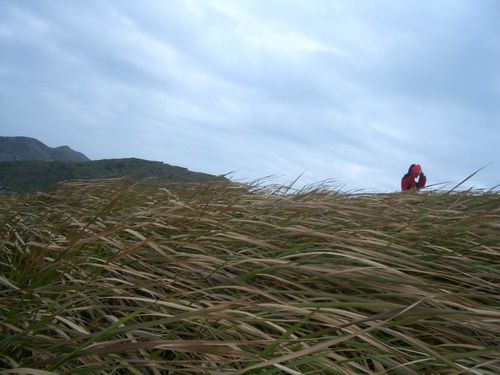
(217, 278)
(31, 176)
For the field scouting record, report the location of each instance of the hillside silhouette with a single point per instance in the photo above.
(31, 176)
(25, 148)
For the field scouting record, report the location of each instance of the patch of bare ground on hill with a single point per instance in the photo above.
(107, 277)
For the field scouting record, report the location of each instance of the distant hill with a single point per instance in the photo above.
(25, 148)
(31, 176)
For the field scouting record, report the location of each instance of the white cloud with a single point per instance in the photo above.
(272, 38)
(354, 91)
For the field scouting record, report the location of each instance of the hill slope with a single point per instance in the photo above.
(25, 148)
(107, 278)
(29, 176)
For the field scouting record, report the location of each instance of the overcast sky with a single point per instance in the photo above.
(350, 90)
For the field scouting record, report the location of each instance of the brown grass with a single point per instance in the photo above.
(109, 277)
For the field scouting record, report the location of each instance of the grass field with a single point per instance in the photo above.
(109, 277)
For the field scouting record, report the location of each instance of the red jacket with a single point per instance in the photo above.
(408, 181)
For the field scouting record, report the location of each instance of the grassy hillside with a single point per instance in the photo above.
(31, 176)
(110, 278)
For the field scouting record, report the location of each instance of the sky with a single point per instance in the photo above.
(352, 91)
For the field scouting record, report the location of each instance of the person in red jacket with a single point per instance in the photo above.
(408, 181)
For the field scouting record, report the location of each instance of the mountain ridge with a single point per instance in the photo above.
(32, 176)
(31, 149)
(28, 165)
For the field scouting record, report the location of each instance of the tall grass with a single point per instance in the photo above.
(109, 277)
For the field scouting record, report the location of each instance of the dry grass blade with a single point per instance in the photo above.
(111, 278)
(469, 177)
(27, 371)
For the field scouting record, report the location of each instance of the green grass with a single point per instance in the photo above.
(113, 278)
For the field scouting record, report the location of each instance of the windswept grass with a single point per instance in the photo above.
(113, 278)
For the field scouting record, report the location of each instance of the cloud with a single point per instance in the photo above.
(354, 91)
